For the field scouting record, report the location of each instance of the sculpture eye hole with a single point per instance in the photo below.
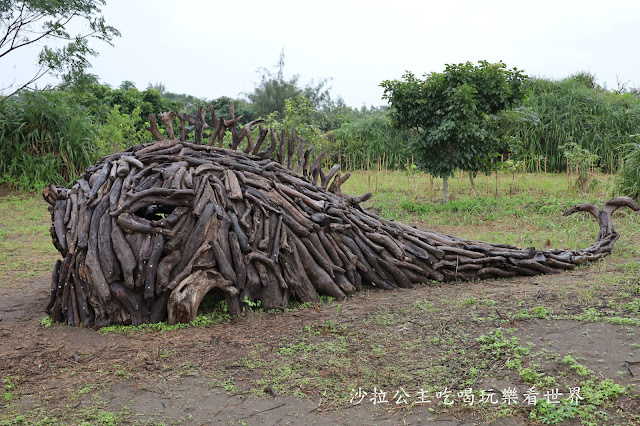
(154, 211)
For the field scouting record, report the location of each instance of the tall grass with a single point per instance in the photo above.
(629, 176)
(44, 138)
(360, 143)
(576, 109)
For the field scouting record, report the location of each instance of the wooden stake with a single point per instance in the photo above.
(377, 173)
(611, 169)
(368, 174)
(408, 175)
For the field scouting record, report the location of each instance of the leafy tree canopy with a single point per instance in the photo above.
(454, 113)
(222, 105)
(35, 22)
(100, 100)
(273, 90)
(298, 115)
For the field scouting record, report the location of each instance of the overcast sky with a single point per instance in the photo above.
(211, 48)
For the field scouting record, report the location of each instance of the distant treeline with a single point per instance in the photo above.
(53, 135)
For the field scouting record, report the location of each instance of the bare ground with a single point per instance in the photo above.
(74, 374)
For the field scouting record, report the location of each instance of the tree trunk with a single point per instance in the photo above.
(471, 180)
(445, 189)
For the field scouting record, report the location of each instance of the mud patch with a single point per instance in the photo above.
(610, 350)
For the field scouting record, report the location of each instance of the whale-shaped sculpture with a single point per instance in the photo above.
(146, 233)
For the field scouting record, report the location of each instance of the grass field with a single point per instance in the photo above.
(460, 342)
(524, 209)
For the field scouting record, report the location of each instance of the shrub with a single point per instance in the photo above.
(44, 138)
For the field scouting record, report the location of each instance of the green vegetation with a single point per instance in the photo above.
(46, 137)
(370, 142)
(575, 109)
(532, 216)
(629, 177)
(100, 100)
(8, 388)
(25, 243)
(586, 400)
(46, 322)
(53, 135)
(580, 160)
(216, 316)
(455, 115)
(271, 93)
(297, 115)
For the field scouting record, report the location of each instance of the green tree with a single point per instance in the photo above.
(455, 114)
(128, 84)
(580, 159)
(298, 115)
(222, 105)
(30, 22)
(334, 114)
(273, 90)
(120, 131)
(101, 99)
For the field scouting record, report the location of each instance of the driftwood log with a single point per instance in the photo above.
(146, 233)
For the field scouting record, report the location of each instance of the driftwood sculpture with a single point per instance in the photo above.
(146, 233)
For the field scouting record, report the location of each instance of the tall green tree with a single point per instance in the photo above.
(35, 22)
(273, 90)
(454, 114)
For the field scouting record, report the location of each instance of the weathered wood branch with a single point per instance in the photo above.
(153, 128)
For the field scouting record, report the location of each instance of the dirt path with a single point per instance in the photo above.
(220, 374)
